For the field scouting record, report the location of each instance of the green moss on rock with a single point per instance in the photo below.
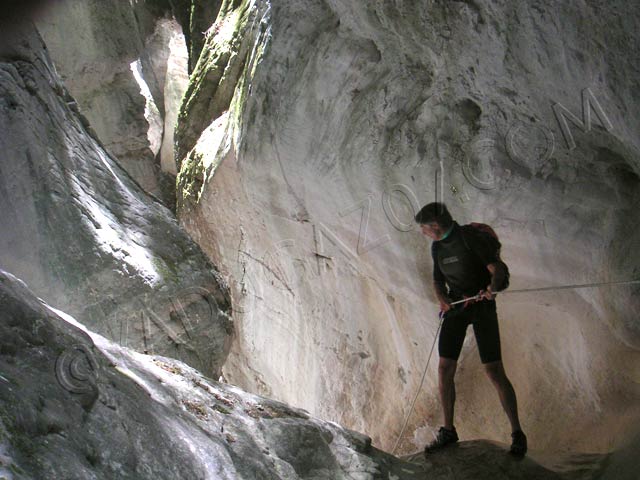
(190, 179)
(217, 72)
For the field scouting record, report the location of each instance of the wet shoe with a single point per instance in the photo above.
(445, 437)
(518, 443)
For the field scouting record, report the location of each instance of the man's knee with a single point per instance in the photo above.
(495, 371)
(447, 367)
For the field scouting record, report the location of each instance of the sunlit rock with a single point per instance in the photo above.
(126, 65)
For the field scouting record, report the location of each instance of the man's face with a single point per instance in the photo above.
(432, 230)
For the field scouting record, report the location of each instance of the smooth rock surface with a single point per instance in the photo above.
(312, 132)
(84, 234)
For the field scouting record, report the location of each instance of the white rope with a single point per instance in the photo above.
(558, 287)
(424, 374)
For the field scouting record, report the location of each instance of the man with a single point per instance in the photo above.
(464, 265)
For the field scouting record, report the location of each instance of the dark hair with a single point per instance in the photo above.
(435, 212)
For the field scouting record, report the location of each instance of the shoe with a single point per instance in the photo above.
(445, 437)
(518, 443)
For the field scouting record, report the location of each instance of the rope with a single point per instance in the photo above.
(558, 287)
(424, 374)
(541, 289)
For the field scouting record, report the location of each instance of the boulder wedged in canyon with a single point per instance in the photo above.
(82, 232)
(313, 131)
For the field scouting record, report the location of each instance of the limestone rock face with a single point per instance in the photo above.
(75, 406)
(85, 236)
(126, 65)
(313, 131)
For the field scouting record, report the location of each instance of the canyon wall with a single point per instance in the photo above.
(312, 132)
(309, 135)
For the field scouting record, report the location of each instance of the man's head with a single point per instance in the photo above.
(434, 219)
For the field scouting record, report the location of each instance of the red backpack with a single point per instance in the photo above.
(489, 237)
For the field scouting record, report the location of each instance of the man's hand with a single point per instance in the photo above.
(443, 297)
(444, 307)
(486, 294)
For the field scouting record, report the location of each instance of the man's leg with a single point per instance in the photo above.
(488, 338)
(454, 329)
(449, 346)
(495, 371)
(446, 373)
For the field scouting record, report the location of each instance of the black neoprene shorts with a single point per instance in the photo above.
(483, 316)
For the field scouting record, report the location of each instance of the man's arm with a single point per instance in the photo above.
(496, 267)
(498, 272)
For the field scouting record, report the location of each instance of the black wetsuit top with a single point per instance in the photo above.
(462, 266)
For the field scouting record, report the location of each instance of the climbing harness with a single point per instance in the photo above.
(477, 297)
